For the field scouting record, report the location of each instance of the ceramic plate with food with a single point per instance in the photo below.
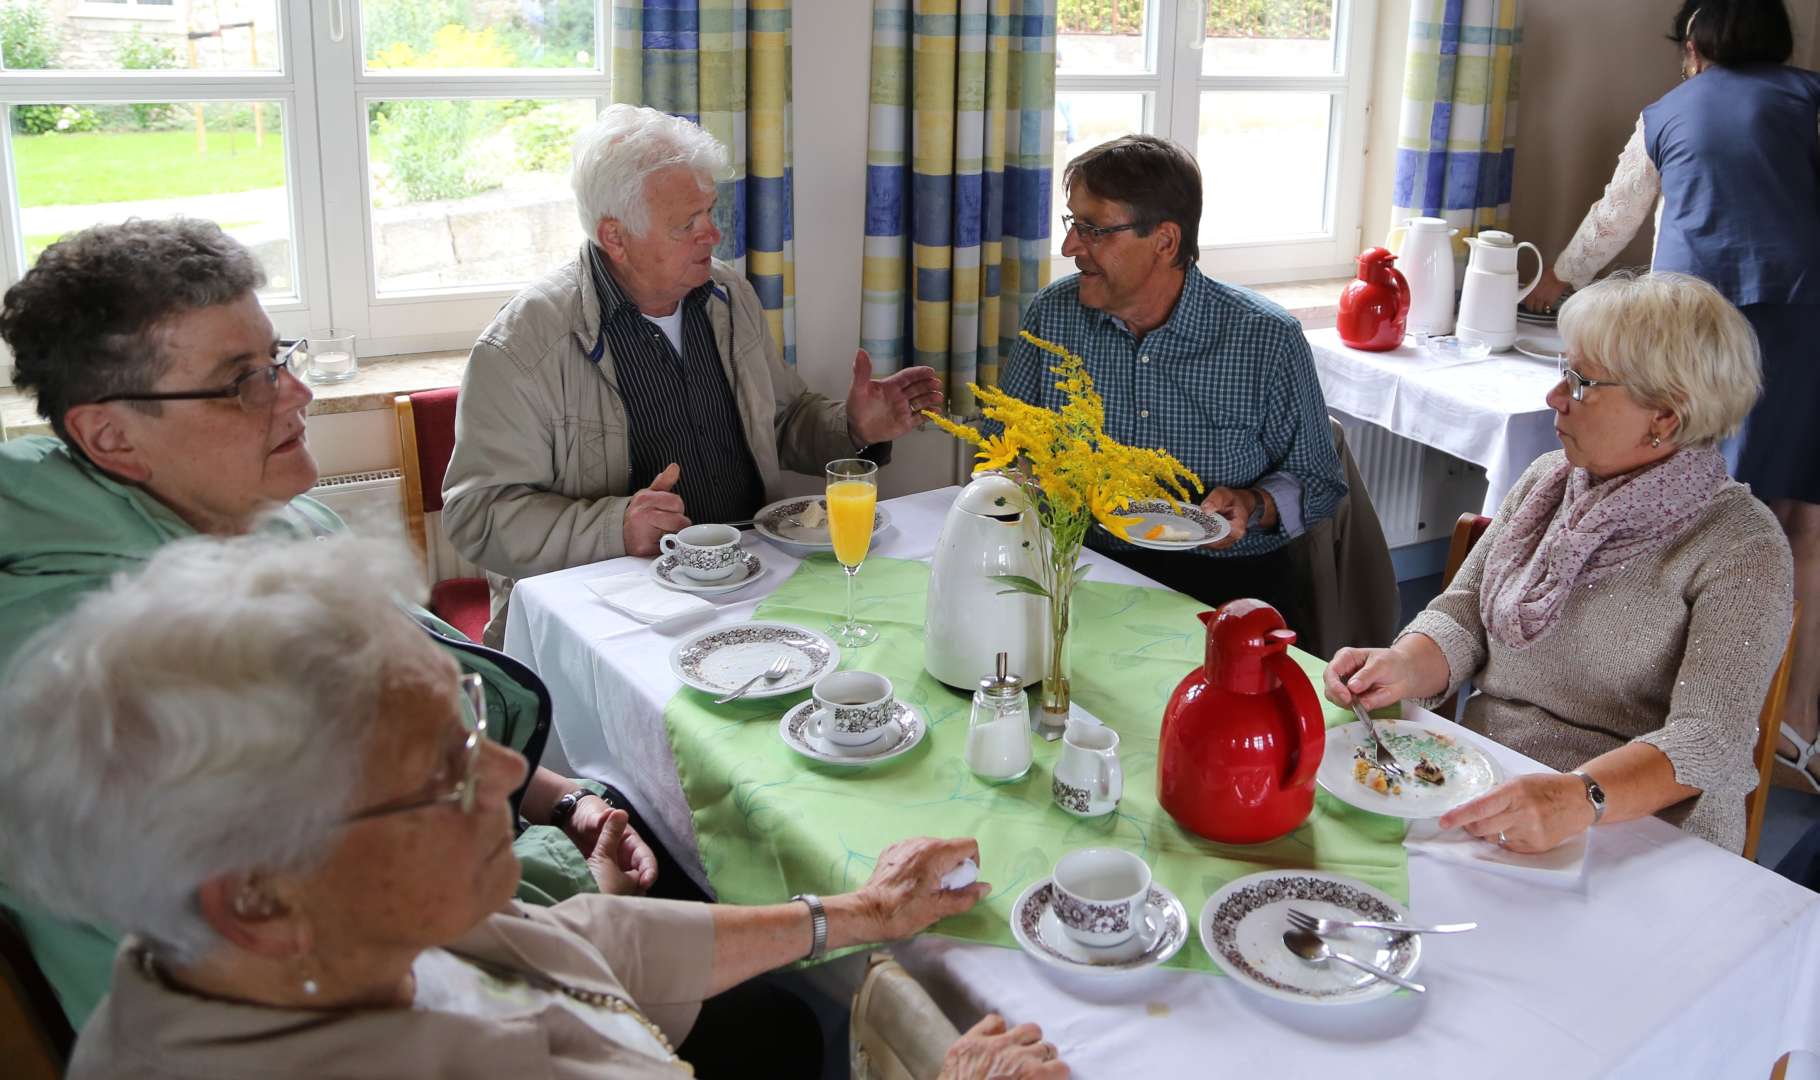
(1169, 526)
(800, 525)
(1441, 770)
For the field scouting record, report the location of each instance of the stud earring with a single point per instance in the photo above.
(1655, 440)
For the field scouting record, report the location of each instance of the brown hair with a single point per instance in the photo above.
(1157, 179)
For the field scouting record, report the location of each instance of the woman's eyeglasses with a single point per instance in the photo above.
(474, 710)
(1577, 383)
(255, 389)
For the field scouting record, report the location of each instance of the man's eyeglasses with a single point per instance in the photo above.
(1577, 383)
(1093, 234)
(256, 389)
(474, 709)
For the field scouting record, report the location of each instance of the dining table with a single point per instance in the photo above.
(1661, 955)
(1488, 410)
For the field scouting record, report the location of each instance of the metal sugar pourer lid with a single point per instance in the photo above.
(1003, 684)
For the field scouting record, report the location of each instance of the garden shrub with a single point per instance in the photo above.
(426, 145)
(138, 53)
(543, 139)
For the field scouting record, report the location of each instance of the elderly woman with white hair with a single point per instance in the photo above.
(641, 387)
(1623, 615)
(286, 797)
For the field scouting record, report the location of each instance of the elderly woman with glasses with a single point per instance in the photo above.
(1623, 615)
(318, 873)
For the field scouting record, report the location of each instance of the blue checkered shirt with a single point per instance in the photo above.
(1227, 385)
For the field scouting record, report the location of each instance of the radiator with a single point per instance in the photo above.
(1391, 467)
(372, 503)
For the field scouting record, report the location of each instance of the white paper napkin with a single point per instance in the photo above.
(635, 595)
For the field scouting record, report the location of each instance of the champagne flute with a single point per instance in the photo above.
(852, 497)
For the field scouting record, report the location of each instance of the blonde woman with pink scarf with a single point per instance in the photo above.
(1624, 613)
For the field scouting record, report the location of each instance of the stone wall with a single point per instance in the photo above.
(500, 237)
(89, 33)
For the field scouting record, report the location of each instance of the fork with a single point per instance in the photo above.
(770, 675)
(1301, 920)
(1386, 760)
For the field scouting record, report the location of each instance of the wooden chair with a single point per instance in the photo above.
(1466, 533)
(426, 438)
(35, 1037)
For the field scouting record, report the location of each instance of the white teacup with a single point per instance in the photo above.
(1099, 895)
(852, 707)
(704, 552)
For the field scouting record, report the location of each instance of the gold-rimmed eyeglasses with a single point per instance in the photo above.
(1577, 383)
(255, 388)
(474, 716)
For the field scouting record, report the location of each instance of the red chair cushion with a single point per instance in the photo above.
(463, 604)
(433, 415)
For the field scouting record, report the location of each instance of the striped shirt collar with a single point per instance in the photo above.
(614, 300)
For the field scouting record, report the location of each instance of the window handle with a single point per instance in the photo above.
(338, 20)
(1191, 15)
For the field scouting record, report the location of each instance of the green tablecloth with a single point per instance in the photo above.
(772, 823)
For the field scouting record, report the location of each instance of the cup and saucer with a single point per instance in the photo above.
(705, 560)
(852, 718)
(1100, 912)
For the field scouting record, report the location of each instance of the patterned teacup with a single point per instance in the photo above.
(704, 552)
(1099, 895)
(854, 705)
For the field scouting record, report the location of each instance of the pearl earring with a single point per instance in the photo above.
(1655, 440)
(310, 987)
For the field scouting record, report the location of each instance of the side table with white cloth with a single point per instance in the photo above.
(1666, 956)
(1487, 411)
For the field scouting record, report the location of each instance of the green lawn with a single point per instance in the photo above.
(107, 166)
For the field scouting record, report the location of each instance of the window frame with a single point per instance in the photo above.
(1172, 90)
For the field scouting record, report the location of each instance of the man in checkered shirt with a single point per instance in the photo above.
(1216, 375)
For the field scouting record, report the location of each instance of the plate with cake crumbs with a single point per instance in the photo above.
(1172, 526)
(799, 526)
(1440, 770)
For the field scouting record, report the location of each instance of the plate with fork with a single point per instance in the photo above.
(1428, 771)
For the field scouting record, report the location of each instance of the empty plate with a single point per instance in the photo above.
(1242, 929)
(720, 660)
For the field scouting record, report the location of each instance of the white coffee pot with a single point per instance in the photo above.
(1426, 261)
(1491, 292)
(971, 618)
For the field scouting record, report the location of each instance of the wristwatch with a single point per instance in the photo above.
(1259, 504)
(1594, 794)
(818, 924)
(564, 808)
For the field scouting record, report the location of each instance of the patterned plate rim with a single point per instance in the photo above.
(1218, 929)
(831, 662)
(1349, 734)
(1213, 528)
(663, 564)
(911, 726)
(761, 523)
(1027, 916)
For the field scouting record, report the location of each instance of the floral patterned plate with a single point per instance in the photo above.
(1465, 771)
(1199, 526)
(1040, 933)
(668, 574)
(810, 535)
(720, 659)
(1242, 929)
(900, 736)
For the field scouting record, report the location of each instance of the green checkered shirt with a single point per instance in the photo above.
(1227, 385)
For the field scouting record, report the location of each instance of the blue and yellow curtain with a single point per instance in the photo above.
(1456, 144)
(958, 161)
(725, 64)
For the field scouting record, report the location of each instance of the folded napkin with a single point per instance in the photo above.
(635, 595)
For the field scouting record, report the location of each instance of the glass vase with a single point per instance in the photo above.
(1052, 718)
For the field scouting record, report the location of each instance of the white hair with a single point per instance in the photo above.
(1675, 343)
(208, 715)
(626, 147)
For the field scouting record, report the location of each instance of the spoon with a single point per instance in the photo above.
(1311, 948)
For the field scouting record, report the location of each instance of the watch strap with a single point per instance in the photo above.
(1594, 794)
(1260, 504)
(818, 924)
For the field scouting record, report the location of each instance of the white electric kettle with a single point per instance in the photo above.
(967, 622)
(1426, 261)
(1489, 297)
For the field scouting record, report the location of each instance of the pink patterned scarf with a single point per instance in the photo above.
(1569, 532)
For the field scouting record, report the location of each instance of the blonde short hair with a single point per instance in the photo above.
(1675, 343)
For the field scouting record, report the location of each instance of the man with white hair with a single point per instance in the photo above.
(638, 390)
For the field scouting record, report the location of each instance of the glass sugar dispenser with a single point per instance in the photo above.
(998, 731)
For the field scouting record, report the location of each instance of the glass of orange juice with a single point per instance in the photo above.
(852, 495)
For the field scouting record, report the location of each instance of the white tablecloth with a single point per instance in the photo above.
(1670, 958)
(1489, 412)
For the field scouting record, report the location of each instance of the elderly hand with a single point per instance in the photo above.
(905, 894)
(1235, 505)
(1375, 677)
(1546, 292)
(1530, 814)
(654, 511)
(879, 410)
(605, 835)
(989, 1052)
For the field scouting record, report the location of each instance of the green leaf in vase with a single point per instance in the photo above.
(1020, 583)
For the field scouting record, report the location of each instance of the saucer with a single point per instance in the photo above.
(1042, 936)
(898, 736)
(670, 576)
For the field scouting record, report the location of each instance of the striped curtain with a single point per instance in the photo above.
(958, 161)
(1456, 143)
(725, 64)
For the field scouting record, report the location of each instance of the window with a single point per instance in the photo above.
(1270, 95)
(399, 167)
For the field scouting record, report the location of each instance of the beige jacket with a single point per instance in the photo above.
(657, 953)
(542, 468)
